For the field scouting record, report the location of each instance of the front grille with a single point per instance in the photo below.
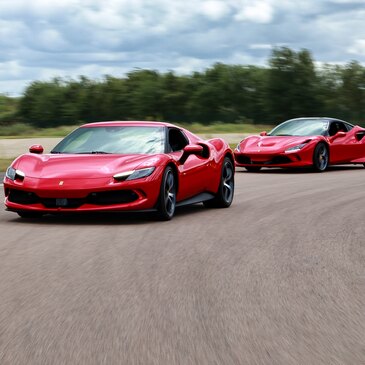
(112, 197)
(278, 160)
(22, 197)
(243, 159)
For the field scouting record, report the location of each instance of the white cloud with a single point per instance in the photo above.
(10, 70)
(214, 10)
(261, 46)
(357, 48)
(187, 64)
(51, 40)
(257, 12)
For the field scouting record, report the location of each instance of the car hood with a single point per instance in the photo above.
(81, 166)
(274, 143)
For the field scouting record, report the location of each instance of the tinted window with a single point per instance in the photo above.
(177, 140)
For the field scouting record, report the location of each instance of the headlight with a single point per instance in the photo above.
(14, 174)
(134, 174)
(295, 148)
(238, 148)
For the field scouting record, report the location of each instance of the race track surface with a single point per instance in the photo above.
(278, 278)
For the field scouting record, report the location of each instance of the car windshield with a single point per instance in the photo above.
(301, 127)
(113, 139)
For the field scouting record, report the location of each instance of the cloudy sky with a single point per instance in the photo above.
(41, 39)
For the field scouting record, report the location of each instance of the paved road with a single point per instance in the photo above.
(279, 278)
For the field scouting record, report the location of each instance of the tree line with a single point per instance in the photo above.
(292, 85)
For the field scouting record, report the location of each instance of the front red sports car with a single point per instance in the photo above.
(122, 166)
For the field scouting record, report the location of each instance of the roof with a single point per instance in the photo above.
(134, 123)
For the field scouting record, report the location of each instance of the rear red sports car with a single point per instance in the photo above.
(122, 166)
(300, 142)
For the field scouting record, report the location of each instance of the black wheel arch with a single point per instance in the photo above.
(176, 174)
(327, 146)
(230, 156)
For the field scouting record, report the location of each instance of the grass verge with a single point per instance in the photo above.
(21, 130)
(5, 163)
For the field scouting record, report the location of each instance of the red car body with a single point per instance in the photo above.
(342, 143)
(83, 182)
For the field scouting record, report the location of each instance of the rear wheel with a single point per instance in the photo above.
(167, 198)
(320, 157)
(253, 168)
(224, 196)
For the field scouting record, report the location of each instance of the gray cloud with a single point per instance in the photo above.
(43, 39)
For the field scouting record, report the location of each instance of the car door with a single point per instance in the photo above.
(343, 144)
(357, 142)
(192, 173)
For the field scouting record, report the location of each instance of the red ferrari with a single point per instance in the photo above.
(122, 166)
(300, 142)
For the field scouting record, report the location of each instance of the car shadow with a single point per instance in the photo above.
(107, 218)
(305, 170)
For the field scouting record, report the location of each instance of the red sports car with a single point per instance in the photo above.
(122, 166)
(316, 142)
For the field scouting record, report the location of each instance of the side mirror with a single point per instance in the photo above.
(338, 135)
(36, 148)
(264, 133)
(190, 149)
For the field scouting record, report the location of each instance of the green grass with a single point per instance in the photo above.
(5, 163)
(20, 130)
(226, 128)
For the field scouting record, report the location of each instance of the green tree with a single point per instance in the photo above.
(353, 91)
(145, 93)
(292, 84)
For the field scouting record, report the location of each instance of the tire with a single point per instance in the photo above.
(320, 157)
(167, 199)
(253, 168)
(29, 215)
(224, 196)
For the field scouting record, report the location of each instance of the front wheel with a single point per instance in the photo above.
(224, 196)
(320, 157)
(167, 199)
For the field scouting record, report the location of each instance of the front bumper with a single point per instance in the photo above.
(81, 195)
(293, 159)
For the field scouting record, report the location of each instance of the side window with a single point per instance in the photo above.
(337, 127)
(177, 140)
(341, 127)
(348, 126)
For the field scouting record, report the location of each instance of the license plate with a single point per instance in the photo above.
(61, 202)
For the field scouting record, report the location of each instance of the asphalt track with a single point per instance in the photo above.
(278, 278)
